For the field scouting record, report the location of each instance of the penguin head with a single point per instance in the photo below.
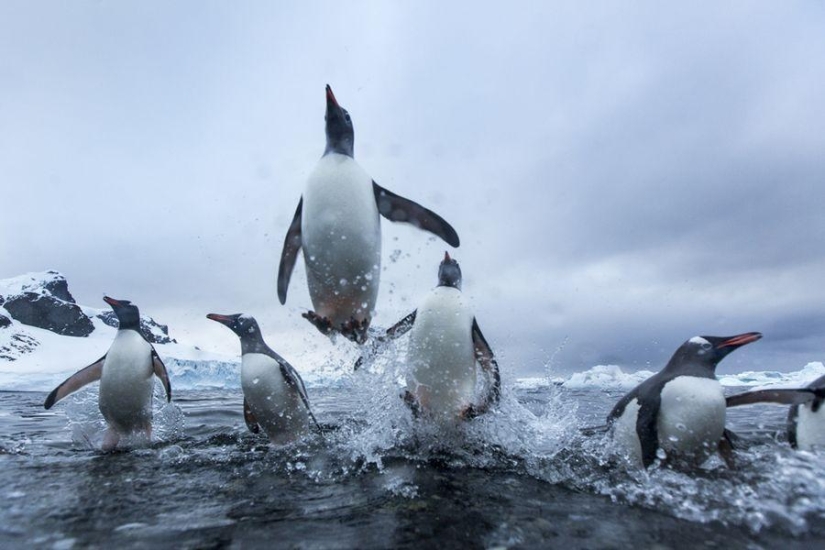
(127, 313)
(709, 350)
(340, 133)
(449, 272)
(245, 326)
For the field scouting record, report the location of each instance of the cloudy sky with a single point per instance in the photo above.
(623, 177)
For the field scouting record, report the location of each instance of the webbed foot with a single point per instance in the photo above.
(355, 330)
(323, 324)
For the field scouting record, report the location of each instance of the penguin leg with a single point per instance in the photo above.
(355, 330)
(726, 449)
(323, 324)
(412, 403)
(110, 440)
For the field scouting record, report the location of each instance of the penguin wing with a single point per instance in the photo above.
(75, 382)
(647, 426)
(793, 418)
(488, 362)
(398, 209)
(782, 397)
(294, 380)
(398, 330)
(160, 372)
(292, 244)
(402, 327)
(249, 418)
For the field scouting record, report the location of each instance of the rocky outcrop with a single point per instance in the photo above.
(50, 313)
(4, 321)
(153, 331)
(43, 300)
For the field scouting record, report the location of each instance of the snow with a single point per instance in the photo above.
(58, 357)
(28, 282)
(608, 377)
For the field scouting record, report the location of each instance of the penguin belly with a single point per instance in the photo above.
(277, 407)
(810, 428)
(691, 417)
(625, 435)
(442, 373)
(126, 383)
(341, 240)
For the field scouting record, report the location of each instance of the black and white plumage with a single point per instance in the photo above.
(681, 409)
(337, 225)
(275, 398)
(806, 417)
(125, 375)
(445, 345)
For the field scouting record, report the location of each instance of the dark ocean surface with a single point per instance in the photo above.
(522, 477)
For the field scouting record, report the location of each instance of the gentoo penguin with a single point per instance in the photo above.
(680, 409)
(275, 398)
(806, 418)
(445, 344)
(125, 375)
(337, 226)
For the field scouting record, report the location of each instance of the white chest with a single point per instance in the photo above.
(339, 205)
(441, 357)
(810, 428)
(126, 381)
(691, 416)
(277, 407)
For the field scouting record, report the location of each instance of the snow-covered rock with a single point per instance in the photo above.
(43, 300)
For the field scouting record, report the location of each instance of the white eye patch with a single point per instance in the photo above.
(699, 340)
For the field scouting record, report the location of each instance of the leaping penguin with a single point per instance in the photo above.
(445, 344)
(680, 409)
(806, 418)
(275, 398)
(337, 226)
(125, 375)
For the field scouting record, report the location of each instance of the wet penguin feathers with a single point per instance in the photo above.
(336, 225)
(684, 392)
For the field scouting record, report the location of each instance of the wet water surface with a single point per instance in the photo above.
(523, 477)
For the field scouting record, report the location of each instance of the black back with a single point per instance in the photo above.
(698, 357)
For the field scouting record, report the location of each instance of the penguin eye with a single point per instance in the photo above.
(346, 117)
(706, 346)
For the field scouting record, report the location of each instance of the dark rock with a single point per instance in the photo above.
(59, 288)
(160, 334)
(19, 344)
(4, 321)
(50, 313)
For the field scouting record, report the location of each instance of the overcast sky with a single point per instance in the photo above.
(622, 177)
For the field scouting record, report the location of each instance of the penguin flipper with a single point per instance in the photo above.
(779, 396)
(292, 244)
(294, 380)
(398, 330)
(793, 419)
(398, 209)
(160, 372)
(647, 428)
(485, 357)
(402, 327)
(249, 418)
(75, 382)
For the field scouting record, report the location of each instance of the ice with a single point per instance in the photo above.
(607, 377)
